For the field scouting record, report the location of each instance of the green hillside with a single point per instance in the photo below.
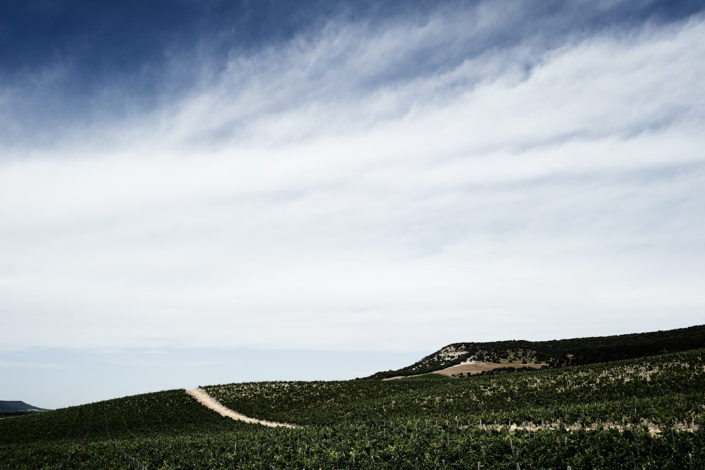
(559, 353)
(661, 389)
(645, 413)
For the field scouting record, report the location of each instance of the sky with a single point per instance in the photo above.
(198, 192)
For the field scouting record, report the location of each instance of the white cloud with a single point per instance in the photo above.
(301, 199)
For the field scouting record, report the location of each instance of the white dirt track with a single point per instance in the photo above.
(209, 402)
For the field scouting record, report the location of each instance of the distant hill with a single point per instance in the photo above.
(556, 353)
(11, 408)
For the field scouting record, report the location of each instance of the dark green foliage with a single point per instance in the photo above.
(162, 412)
(424, 423)
(561, 353)
(664, 388)
(506, 370)
(402, 445)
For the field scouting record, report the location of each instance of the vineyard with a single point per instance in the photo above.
(663, 390)
(636, 413)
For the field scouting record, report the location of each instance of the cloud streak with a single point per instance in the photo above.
(416, 180)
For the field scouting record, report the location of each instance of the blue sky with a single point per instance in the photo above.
(268, 180)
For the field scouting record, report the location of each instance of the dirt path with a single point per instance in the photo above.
(208, 401)
(529, 426)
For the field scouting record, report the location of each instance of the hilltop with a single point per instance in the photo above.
(11, 408)
(476, 357)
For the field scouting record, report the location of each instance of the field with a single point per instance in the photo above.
(638, 413)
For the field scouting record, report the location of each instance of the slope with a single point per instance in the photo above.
(11, 408)
(645, 412)
(556, 353)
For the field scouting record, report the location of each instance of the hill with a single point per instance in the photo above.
(554, 353)
(11, 408)
(645, 412)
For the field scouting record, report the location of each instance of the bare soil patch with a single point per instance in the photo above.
(470, 367)
(477, 367)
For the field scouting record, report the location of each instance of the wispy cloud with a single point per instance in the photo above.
(424, 181)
